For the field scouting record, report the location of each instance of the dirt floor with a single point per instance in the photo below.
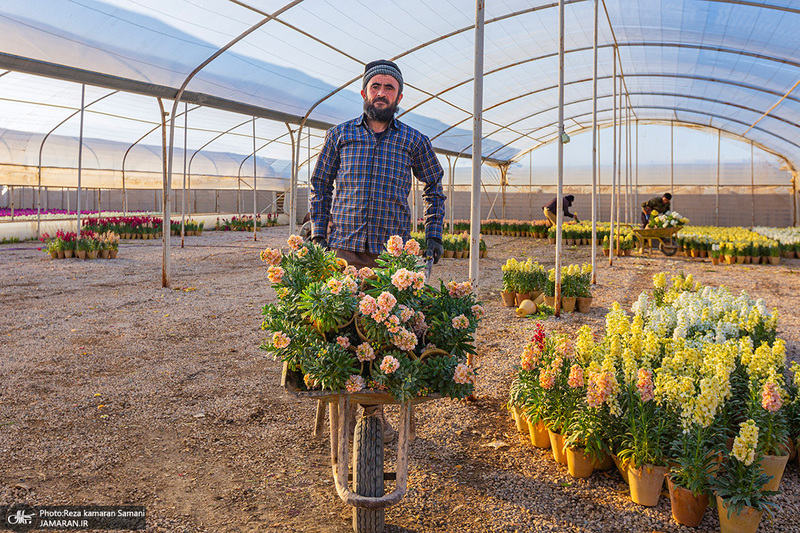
(114, 390)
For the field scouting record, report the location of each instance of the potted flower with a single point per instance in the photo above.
(606, 246)
(739, 484)
(716, 253)
(402, 337)
(765, 407)
(510, 282)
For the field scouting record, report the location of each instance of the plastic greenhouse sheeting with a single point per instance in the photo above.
(728, 65)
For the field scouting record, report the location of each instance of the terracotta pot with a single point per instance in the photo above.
(694, 253)
(744, 522)
(606, 251)
(459, 254)
(551, 241)
(787, 255)
(606, 463)
(534, 295)
(508, 298)
(61, 254)
(568, 303)
(91, 255)
(703, 253)
(622, 466)
(729, 259)
(740, 259)
(103, 254)
(484, 253)
(687, 509)
(557, 444)
(519, 418)
(550, 300)
(521, 297)
(774, 260)
(539, 436)
(714, 260)
(53, 255)
(69, 253)
(584, 303)
(579, 465)
(754, 259)
(539, 300)
(80, 254)
(646, 483)
(774, 466)
(112, 254)
(765, 259)
(527, 307)
(448, 254)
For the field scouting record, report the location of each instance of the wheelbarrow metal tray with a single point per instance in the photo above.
(290, 381)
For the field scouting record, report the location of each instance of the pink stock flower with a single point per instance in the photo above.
(365, 272)
(344, 342)
(477, 311)
(389, 364)
(547, 378)
(403, 279)
(379, 315)
(351, 271)
(644, 384)
(575, 379)
(386, 301)
(395, 245)
(419, 280)
(367, 305)
(335, 286)
(271, 256)
(459, 290)
(275, 274)
(412, 247)
(350, 284)
(463, 374)
(406, 313)
(771, 397)
(354, 383)
(295, 242)
(460, 322)
(404, 339)
(365, 353)
(280, 340)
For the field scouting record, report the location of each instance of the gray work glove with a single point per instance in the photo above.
(435, 248)
(320, 241)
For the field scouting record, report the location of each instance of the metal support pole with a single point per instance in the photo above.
(183, 192)
(166, 186)
(636, 189)
(672, 162)
(617, 217)
(477, 145)
(752, 186)
(530, 185)
(255, 188)
(716, 195)
(293, 185)
(613, 160)
(561, 133)
(80, 155)
(451, 167)
(594, 148)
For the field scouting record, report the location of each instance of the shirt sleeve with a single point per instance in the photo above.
(322, 185)
(427, 169)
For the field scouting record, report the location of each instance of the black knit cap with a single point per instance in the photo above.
(667, 195)
(382, 66)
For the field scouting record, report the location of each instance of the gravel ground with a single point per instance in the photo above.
(117, 391)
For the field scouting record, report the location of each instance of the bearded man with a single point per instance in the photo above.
(371, 160)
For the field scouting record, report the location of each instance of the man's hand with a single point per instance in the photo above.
(320, 241)
(435, 248)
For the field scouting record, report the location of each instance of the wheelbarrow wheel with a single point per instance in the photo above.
(368, 472)
(669, 247)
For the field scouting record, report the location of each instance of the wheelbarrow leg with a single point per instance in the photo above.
(319, 424)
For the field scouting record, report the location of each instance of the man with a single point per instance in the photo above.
(550, 209)
(659, 205)
(371, 159)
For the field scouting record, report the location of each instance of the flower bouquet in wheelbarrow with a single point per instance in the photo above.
(368, 337)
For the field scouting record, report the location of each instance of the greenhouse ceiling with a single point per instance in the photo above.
(730, 65)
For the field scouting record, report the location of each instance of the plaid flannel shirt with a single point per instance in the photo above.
(373, 181)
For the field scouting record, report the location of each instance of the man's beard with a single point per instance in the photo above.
(384, 115)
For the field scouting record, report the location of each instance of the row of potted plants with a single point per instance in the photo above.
(456, 245)
(245, 222)
(383, 329)
(528, 281)
(56, 214)
(127, 227)
(694, 387)
(90, 245)
(788, 238)
(733, 245)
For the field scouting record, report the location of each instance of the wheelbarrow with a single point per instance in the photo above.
(665, 237)
(367, 495)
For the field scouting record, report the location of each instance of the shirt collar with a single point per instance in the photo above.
(362, 121)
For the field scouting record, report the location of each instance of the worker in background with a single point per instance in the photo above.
(550, 209)
(658, 204)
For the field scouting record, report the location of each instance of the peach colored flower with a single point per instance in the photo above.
(365, 353)
(367, 305)
(771, 397)
(275, 274)
(395, 245)
(295, 242)
(575, 379)
(389, 364)
(280, 340)
(335, 286)
(271, 256)
(354, 383)
(386, 301)
(463, 374)
(460, 322)
(644, 384)
(344, 342)
(412, 247)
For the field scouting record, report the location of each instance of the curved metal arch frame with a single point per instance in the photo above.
(665, 94)
(684, 110)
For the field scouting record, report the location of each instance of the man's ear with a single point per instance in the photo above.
(399, 98)
(363, 94)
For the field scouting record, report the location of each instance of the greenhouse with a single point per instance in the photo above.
(121, 117)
